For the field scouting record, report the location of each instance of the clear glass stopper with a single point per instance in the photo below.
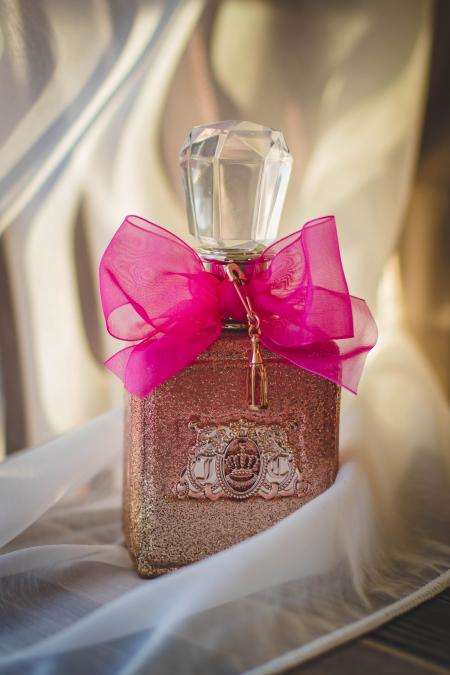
(235, 179)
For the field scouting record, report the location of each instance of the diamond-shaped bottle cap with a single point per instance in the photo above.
(235, 178)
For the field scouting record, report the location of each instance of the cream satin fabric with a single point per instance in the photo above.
(94, 134)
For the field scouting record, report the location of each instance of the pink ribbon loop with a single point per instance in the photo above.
(155, 290)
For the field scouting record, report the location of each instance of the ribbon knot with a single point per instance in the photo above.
(155, 290)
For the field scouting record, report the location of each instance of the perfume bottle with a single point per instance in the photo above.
(241, 437)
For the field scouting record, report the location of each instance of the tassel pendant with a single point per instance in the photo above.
(257, 385)
(256, 379)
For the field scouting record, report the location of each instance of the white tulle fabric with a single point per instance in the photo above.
(374, 544)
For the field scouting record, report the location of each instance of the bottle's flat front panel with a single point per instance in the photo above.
(202, 472)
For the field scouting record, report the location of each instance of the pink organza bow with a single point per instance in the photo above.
(157, 294)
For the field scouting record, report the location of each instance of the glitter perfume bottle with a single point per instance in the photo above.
(241, 437)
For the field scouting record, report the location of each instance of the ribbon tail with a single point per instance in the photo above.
(117, 363)
(340, 361)
(145, 366)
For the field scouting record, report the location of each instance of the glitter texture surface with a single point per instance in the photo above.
(164, 532)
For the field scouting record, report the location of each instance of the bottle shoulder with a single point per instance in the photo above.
(233, 345)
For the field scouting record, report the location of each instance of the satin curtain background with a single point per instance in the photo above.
(96, 99)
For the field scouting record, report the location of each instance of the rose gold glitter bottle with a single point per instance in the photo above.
(230, 445)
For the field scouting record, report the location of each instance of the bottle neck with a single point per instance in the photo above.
(248, 263)
(216, 262)
(231, 254)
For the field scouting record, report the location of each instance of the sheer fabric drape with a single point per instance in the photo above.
(101, 96)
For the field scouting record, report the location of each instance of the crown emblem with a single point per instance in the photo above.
(241, 464)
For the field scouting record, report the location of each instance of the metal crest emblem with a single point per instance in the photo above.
(239, 460)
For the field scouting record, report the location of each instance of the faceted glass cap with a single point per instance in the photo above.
(235, 179)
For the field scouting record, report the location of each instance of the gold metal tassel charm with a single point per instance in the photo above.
(257, 386)
(257, 374)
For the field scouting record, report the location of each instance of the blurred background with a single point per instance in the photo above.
(96, 98)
